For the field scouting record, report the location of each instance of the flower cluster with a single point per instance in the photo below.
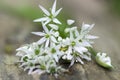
(43, 56)
(37, 60)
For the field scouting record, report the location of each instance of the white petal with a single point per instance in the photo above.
(38, 33)
(72, 62)
(40, 19)
(66, 41)
(91, 37)
(74, 28)
(44, 10)
(92, 26)
(20, 54)
(80, 49)
(56, 58)
(104, 54)
(70, 22)
(64, 57)
(79, 60)
(55, 20)
(88, 58)
(57, 12)
(53, 39)
(86, 44)
(69, 56)
(46, 29)
(67, 30)
(24, 51)
(56, 34)
(47, 21)
(108, 61)
(83, 49)
(53, 26)
(69, 50)
(87, 27)
(35, 72)
(54, 8)
(22, 48)
(30, 71)
(42, 40)
(59, 39)
(71, 35)
(39, 72)
(47, 43)
(98, 54)
(76, 33)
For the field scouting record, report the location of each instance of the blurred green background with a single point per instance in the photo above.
(16, 25)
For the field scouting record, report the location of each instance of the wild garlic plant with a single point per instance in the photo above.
(43, 56)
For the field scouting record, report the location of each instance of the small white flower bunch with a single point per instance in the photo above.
(103, 60)
(43, 56)
(36, 59)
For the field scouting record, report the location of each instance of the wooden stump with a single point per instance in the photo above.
(89, 71)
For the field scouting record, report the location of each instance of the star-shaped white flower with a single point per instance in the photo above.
(83, 35)
(74, 48)
(85, 30)
(48, 36)
(49, 16)
(75, 44)
(55, 52)
(29, 65)
(48, 64)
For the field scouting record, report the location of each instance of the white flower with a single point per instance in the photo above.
(55, 52)
(48, 64)
(74, 49)
(85, 30)
(84, 37)
(49, 16)
(29, 65)
(34, 58)
(29, 51)
(48, 36)
(75, 44)
(103, 60)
